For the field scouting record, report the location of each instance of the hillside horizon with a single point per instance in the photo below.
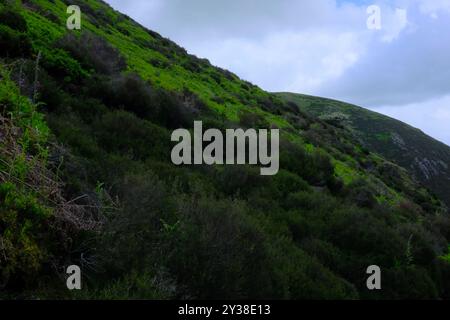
(94, 206)
(329, 49)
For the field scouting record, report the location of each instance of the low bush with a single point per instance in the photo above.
(93, 52)
(14, 43)
(123, 133)
(361, 194)
(12, 18)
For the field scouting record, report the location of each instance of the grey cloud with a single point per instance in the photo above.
(414, 68)
(180, 19)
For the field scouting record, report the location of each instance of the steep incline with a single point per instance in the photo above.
(107, 98)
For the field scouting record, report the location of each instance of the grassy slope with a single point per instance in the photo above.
(165, 64)
(25, 209)
(156, 59)
(427, 158)
(304, 231)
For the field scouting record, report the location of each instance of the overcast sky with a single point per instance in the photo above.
(322, 47)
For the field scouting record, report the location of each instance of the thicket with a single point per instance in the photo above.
(161, 231)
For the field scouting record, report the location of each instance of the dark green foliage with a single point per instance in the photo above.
(122, 133)
(93, 52)
(225, 250)
(271, 104)
(169, 231)
(240, 180)
(315, 168)
(426, 158)
(178, 111)
(12, 18)
(252, 120)
(130, 93)
(192, 66)
(62, 66)
(413, 283)
(21, 218)
(361, 194)
(13, 43)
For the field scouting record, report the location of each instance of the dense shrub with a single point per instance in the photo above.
(411, 283)
(130, 93)
(225, 249)
(132, 286)
(361, 194)
(14, 43)
(178, 111)
(316, 168)
(252, 120)
(301, 276)
(62, 66)
(287, 182)
(211, 235)
(238, 180)
(12, 18)
(201, 231)
(131, 237)
(123, 133)
(21, 219)
(271, 104)
(93, 52)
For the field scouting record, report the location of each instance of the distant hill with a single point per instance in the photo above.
(425, 157)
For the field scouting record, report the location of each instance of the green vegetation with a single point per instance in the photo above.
(447, 257)
(86, 179)
(428, 160)
(24, 216)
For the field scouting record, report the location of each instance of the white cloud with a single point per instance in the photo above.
(287, 61)
(395, 21)
(412, 68)
(432, 7)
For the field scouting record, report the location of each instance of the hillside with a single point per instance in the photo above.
(86, 178)
(426, 158)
